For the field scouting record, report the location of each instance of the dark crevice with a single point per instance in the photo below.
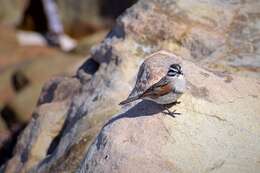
(117, 31)
(114, 8)
(9, 116)
(90, 67)
(6, 151)
(48, 96)
(54, 143)
(15, 128)
(19, 80)
(69, 122)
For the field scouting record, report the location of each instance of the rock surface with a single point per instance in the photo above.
(23, 71)
(219, 126)
(10, 11)
(211, 134)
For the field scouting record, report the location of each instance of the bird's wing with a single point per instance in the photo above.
(129, 99)
(158, 89)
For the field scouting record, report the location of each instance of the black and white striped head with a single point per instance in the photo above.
(174, 70)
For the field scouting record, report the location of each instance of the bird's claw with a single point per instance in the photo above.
(172, 113)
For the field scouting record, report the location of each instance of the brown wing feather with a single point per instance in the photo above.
(158, 89)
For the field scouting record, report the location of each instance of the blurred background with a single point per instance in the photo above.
(40, 39)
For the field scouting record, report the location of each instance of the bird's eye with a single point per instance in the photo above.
(171, 73)
(174, 69)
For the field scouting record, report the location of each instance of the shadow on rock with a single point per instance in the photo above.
(143, 108)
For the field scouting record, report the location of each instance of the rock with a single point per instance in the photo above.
(58, 89)
(10, 11)
(219, 110)
(205, 32)
(6, 90)
(2, 125)
(5, 135)
(87, 42)
(8, 137)
(23, 104)
(8, 44)
(34, 73)
(19, 80)
(212, 131)
(23, 70)
(25, 101)
(52, 117)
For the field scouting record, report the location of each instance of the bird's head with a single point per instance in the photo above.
(174, 70)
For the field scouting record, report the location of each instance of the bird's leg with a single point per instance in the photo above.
(171, 113)
(172, 104)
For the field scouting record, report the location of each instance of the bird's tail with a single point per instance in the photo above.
(130, 99)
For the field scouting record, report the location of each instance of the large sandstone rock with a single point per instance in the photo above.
(219, 126)
(211, 134)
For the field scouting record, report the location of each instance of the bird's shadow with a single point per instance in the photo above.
(143, 108)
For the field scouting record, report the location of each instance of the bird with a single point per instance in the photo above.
(166, 91)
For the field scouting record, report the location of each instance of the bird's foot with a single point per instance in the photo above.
(171, 113)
